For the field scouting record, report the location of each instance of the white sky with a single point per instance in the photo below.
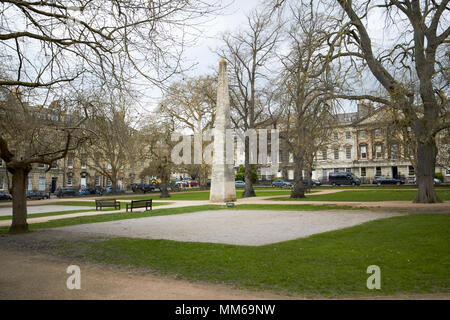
(201, 55)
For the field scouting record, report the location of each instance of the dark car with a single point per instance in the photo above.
(314, 182)
(386, 180)
(5, 196)
(281, 183)
(37, 195)
(66, 192)
(343, 178)
(143, 187)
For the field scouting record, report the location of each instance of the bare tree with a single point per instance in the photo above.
(36, 134)
(192, 105)
(417, 54)
(157, 135)
(112, 147)
(248, 53)
(304, 85)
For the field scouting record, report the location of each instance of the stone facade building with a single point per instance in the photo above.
(366, 144)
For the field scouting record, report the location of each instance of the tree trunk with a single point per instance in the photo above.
(18, 192)
(203, 176)
(163, 187)
(298, 190)
(426, 161)
(249, 191)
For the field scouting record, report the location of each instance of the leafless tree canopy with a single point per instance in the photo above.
(44, 43)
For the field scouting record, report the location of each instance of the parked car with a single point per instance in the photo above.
(387, 180)
(187, 183)
(314, 182)
(37, 195)
(143, 187)
(110, 190)
(343, 178)
(239, 184)
(5, 196)
(436, 181)
(85, 191)
(281, 183)
(66, 192)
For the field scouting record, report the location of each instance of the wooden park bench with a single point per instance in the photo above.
(139, 204)
(111, 203)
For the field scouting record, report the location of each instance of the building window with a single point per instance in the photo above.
(108, 182)
(54, 165)
(70, 162)
(83, 161)
(363, 172)
(41, 185)
(291, 174)
(377, 133)
(378, 151)
(2, 183)
(324, 154)
(347, 135)
(336, 136)
(41, 165)
(378, 171)
(349, 170)
(97, 181)
(363, 152)
(291, 157)
(348, 153)
(447, 171)
(336, 169)
(69, 180)
(362, 134)
(336, 154)
(1, 163)
(411, 171)
(325, 174)
(394, 154)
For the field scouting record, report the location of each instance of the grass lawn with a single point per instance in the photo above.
(413, 253)
(368, 195)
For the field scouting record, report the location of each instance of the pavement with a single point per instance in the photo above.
(7, 211)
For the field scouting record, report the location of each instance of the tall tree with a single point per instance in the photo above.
(36, 134)
(112, 147)
(249, 53)
(305, 80)
(192, 105)
(411, 70)
(157, 136)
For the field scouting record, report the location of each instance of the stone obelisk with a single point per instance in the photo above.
(222, 179)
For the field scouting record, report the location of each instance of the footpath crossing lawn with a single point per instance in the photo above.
(368, 196)
(413, 253)
(201, 195)
(75, 204)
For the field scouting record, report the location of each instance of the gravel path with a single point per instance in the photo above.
(241, 227)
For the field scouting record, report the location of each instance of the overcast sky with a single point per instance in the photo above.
(204, 60)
